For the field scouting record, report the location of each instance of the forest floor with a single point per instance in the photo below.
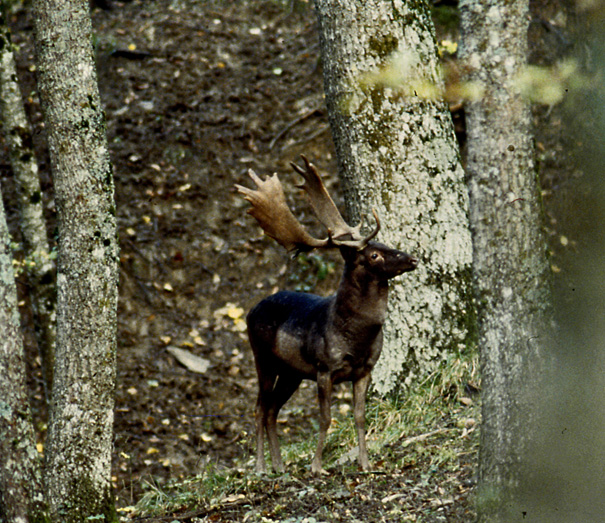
(196, 92)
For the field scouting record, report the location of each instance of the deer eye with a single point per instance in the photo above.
(374, 256)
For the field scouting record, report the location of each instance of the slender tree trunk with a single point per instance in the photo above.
(79, 442)
(511, 269)
(21, 497)
(38, 264)
(397, 153)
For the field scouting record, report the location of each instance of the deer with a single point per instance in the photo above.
(297, 335)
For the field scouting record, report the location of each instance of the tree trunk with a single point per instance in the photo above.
(511, 270)
(79, 442)
(38, 264)
(397, 153)
(21, 497)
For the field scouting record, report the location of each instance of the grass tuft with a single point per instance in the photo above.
(424, 440)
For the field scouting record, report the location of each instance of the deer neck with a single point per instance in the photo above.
(361, 302)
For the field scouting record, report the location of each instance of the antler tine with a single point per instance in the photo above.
(326, 211)
(270, 209)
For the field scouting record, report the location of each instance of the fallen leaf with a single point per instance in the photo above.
(190, 361)
(233, 498)
(240, 325)
(235, 312)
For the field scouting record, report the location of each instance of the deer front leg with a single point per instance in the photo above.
(324, 393)
(360, 389)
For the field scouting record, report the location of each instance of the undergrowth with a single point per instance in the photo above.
(423, 440)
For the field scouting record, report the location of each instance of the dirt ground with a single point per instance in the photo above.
(196, 92)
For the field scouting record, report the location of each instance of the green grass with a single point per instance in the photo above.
(430, 429)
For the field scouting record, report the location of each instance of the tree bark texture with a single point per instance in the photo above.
(21, 498)
(38, 263)
(511, 269)
(397, 153)
(79, 442)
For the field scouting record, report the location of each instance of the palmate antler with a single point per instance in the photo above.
(270, 209)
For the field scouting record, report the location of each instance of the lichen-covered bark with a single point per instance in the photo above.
(38, 264)
(512, 274)
(21, 497)
(79, 442)
(397, 153)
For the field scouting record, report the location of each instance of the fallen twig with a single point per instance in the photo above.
(292, 124)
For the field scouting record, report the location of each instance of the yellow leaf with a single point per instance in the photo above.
(152, 450)
(235, 312)
(240, 325)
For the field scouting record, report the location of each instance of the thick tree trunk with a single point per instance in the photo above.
(79, 442)
(397, 153)
(21, 497)
(511, 269)
(38, 264)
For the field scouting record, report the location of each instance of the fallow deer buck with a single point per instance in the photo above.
(296, 336)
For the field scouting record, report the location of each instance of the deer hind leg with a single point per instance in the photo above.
(324, 393)
(265, 384)
(360, 389)
(284, 388)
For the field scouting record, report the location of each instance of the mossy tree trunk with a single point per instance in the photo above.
(21, 497)
(79, 441)
(38, 263)
(511, 269)
(397, 153)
